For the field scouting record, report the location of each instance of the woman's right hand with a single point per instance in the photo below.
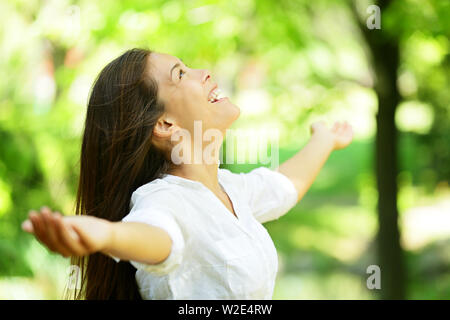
(69, 236)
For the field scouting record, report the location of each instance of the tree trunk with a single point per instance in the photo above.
(385, 60)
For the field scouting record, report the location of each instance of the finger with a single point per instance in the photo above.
(37, 226)
(27, 226)
(47, 235)
(44, 208)
(52, 240)
(59, 245)
(349, 131)
(335, 126)
(341, 128)
(62, 247)
(67, 238)
(345, 125)
(40, 233)
(348, 128)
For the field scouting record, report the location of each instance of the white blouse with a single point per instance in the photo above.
(214, 255)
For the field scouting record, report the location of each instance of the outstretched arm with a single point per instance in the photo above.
(83, 235)
(303, 168)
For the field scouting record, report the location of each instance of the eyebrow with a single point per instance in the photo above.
(176, 65)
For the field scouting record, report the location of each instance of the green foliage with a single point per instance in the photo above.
(308, 61)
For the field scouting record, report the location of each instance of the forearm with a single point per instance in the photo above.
(303, 168)
(138, 242)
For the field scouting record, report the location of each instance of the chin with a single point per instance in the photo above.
(229, 114)
(232, 117)
(236, 111)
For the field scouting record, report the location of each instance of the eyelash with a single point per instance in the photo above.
(179, 77)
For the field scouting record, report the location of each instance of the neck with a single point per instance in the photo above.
(204, 173)
(201, 171)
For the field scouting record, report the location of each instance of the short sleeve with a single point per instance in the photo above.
(163, 220)
(270, 193)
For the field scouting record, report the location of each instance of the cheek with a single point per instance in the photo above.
(194, 99)
(194, 92)
(188, 103)
(188, 106)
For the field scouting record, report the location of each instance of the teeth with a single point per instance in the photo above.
(216, 94)
(219, 94)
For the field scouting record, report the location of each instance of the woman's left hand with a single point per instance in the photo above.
(340, 135)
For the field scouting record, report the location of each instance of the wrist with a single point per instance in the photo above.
(108, 242)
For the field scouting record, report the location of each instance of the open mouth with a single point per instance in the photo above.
(216, 95)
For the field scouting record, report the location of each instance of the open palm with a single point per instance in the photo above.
(341, 134)
(68, 236)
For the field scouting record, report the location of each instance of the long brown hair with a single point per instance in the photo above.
(117, 157)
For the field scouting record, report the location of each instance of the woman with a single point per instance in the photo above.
(194, 231)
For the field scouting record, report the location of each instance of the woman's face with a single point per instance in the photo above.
(186, 95)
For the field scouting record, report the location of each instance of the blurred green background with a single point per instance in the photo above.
(285, 63)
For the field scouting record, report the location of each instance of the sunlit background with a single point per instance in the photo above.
(285, 63)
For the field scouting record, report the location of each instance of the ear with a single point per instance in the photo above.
(165, 127)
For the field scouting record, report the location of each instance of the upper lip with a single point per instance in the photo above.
(213, 88)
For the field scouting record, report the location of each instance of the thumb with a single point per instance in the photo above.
(75, 236)
(27, 226)
(73, 233)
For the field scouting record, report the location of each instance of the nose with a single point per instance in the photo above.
(206, 75)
